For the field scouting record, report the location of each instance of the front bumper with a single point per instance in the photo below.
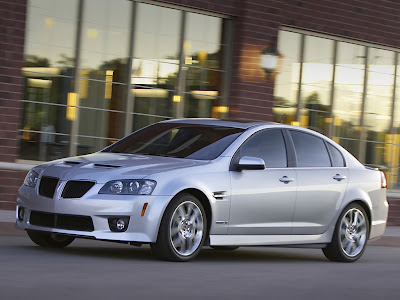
(99, 207)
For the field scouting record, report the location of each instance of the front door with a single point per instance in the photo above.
(262, 201)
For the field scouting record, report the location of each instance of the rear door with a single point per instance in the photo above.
(322, 180)
(262, 201)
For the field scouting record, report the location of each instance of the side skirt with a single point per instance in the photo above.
(271, 240)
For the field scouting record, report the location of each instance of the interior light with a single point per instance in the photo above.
(188, 60)
(176, 98)
(72, 102)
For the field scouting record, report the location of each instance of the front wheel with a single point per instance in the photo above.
(182, 231)
(49, 239)
(350, 236)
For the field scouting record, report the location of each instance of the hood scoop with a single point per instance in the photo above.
(105, 166)
(71, 162)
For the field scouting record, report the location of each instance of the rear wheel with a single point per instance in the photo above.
(182, 230)
(49, 239)
(350, 236)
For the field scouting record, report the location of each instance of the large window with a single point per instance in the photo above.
(95, 70)
(48, 71)
(348, 95)
(348, 90)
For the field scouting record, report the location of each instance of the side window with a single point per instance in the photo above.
(268, 145)
(337, 157)
(310, 150)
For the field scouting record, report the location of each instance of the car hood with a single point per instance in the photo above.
(106, 166)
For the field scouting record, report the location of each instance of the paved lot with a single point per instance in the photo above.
(99, 270)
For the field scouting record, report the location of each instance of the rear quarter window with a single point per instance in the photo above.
(337, 157)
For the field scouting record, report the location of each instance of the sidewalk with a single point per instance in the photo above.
(391, 236)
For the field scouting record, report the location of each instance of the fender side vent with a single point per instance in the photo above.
(220, 195)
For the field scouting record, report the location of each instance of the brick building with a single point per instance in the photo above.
(75, 75)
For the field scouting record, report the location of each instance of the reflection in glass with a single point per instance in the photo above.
(105, 35)
(87, 145)
(156, 46)
(392, 147)
(154, 73)
(203, 51)
(203, 39)
(348, 91)
(155, 66)
(203, 88)
(104, 56)
(44, 135)
(50, 35)
(157, 33)
(316, 83)
(378, 103)
(103, 78)
(287, 81)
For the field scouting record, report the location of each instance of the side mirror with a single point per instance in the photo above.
(250, 163)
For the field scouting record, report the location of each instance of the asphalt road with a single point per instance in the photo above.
(100, 270)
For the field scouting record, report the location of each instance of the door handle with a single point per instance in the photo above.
(339, 177)
(286, 179)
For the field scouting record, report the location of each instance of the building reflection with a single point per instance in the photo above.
(138, 64)
(141, 63)
(345, 90)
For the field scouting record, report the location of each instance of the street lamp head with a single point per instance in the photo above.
(269, 58)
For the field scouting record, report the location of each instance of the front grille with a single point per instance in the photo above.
(48, 186)
(76, 189)
(61, 221)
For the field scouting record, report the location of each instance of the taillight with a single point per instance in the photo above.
(383, 180)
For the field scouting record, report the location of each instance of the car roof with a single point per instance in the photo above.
(218, 122)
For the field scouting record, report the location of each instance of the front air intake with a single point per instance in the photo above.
(76, 189)
(48, 186)
(61, 221)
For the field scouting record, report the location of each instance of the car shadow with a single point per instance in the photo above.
(258, 254)
(243, 254)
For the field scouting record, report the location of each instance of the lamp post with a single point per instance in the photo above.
(270, 59)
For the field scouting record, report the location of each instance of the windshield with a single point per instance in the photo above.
(178, 140)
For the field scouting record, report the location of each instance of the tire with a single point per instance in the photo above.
(183, 229)
(49, 240)
(224, 248)
(350, 236)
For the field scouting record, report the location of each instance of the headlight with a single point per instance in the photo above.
(31, 179)
(129, 187)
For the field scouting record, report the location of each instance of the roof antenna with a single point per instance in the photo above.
(284, 115)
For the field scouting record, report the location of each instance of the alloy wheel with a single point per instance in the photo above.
(353, 232)
(186, 228)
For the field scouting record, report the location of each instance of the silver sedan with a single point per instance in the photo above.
(181, 184)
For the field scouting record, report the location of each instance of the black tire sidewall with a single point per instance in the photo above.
(45, 239)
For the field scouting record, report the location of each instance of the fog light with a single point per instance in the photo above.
(21, 214)
(118, 223)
